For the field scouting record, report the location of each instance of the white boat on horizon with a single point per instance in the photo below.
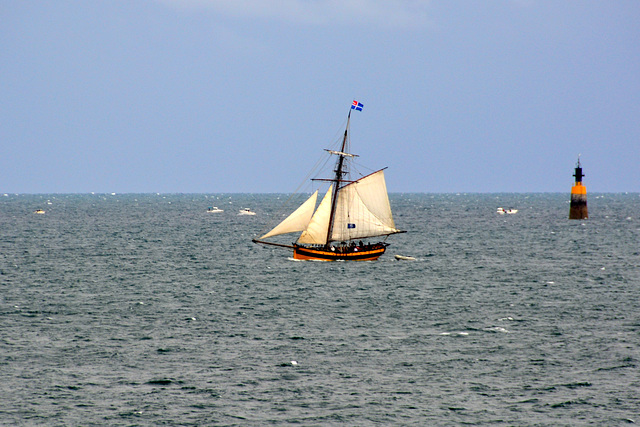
(503, 211)
(246, 211)
(214, 209)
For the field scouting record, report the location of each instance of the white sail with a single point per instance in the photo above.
(363, 210)
(298, 220)
(316, 232)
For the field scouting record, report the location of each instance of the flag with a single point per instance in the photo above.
(356, 106)
(350, 225)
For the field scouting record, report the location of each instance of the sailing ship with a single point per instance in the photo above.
(350, 211)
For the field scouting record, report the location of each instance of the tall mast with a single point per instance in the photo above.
(578, 174)
(338, 178)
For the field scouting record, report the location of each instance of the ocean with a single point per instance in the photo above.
(144, 309)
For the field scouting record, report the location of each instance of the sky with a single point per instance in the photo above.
(242, 96)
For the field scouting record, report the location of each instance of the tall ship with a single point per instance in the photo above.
(352, 212)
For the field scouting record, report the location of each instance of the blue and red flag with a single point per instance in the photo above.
(356, 106)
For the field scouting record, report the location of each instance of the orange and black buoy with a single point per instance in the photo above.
(578, 208)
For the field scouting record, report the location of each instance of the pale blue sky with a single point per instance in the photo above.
(211, 96)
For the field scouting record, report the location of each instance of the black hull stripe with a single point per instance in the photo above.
(336, 256)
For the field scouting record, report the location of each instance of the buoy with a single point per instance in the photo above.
(578, 208)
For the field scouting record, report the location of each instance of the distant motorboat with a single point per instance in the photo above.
(246, 211)
(502, 211)
(214, 209)
(39, 211)
(404, 258)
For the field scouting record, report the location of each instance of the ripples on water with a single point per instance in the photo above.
(146, 310)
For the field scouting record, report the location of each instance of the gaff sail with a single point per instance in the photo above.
(363, 210)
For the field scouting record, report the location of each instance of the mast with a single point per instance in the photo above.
(578, 171)
(337, 179)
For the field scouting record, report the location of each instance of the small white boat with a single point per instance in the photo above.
(214, 209)
(405, 258)
(502, 211)
(246, 211)
(39, 211)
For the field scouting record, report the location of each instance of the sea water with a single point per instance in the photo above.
(144, 309)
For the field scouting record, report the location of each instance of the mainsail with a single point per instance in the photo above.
(363, 210)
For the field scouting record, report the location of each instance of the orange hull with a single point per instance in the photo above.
(371, 253)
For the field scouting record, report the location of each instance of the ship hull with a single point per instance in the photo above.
(368, 253)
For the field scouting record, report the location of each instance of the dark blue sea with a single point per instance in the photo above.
(144, 309)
